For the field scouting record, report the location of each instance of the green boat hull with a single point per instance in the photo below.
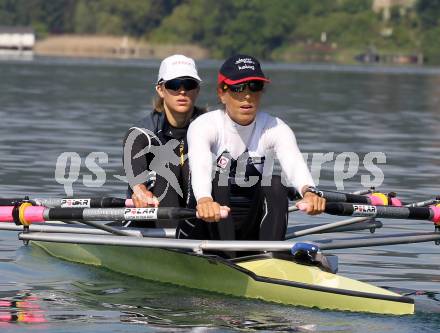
(260, 277)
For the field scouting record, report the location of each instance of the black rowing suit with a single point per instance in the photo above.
(164, 160)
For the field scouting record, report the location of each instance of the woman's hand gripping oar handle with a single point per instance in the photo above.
(224, 212)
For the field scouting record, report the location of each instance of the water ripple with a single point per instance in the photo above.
(54, 105)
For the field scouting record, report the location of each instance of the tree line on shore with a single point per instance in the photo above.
(267, 29)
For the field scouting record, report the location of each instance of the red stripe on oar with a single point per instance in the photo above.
(31, 214)
(396, 202)
(5, 318)
(436, 213)
(376, 199)
(34, 214)
(6, 214)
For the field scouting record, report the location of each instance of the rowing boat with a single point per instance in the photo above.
(278, 275)
(273, 277)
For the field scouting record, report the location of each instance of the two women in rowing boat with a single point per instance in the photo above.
(231, 153)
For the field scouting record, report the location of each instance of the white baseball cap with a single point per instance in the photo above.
(177, 66)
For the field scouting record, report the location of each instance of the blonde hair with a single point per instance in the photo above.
(158, 104)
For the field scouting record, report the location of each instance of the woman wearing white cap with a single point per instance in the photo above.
(155, 148)
(240, 139)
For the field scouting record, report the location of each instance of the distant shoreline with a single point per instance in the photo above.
(123, 47)
(118, 47)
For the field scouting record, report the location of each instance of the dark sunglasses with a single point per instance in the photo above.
(187, 84)
(253, 86)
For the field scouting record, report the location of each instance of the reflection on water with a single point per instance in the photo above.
(51, 106)
(89, 299)
(21, 308)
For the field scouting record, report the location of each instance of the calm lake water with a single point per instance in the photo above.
(51, 106)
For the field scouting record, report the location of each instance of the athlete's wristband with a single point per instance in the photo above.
(313, 190)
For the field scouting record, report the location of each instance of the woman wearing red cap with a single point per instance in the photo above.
(155, 148)
(242, 142)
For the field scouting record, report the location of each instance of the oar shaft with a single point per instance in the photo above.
(363, 192)
(104, 202)
(423, 203)
(339, 224)
(361, 197)
(118, 214)
(411, 213)
(41, 214)
(369, 199)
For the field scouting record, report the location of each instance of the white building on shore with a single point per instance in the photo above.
(17, 38)
(16, 42)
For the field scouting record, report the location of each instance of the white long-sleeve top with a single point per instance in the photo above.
(215, 132)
